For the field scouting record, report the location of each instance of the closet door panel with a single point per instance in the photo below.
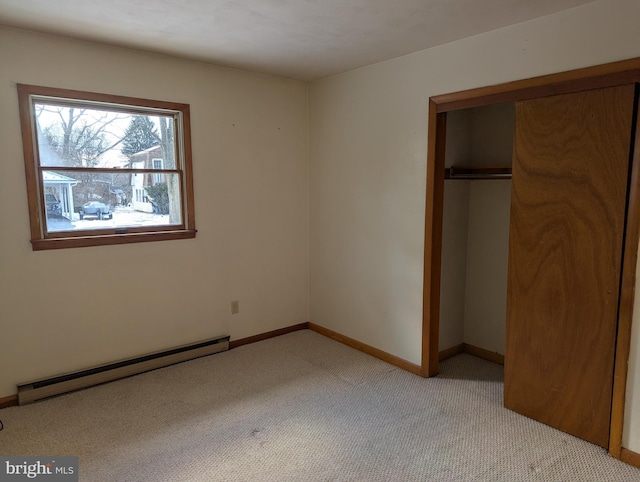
(569, 189)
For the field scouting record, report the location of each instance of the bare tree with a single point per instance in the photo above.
(78, 137)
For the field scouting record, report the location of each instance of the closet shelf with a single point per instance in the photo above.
(478, 172)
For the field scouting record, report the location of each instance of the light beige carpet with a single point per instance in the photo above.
(302, 407)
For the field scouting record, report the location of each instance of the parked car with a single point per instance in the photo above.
(53, 205)
(97, 209)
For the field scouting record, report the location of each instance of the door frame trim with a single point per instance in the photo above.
(600, 76)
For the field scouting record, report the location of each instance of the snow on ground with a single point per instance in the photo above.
(122, 217)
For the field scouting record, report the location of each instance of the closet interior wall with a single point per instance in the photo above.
(475, 231)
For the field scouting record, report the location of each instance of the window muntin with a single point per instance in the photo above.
(111, 168)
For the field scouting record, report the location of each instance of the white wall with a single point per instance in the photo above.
(453, 277)
(491, 130)
(368, 161)
(485, 304)
(64, 310)
(454, 232)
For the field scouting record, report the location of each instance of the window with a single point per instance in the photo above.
(105, 169)
(158, 164)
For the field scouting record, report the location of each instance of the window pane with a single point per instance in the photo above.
(93, 138)
(86, 200)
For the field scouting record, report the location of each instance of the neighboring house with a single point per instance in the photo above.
(151, 158)
(62, 188)
(55, 184)
(119, 186)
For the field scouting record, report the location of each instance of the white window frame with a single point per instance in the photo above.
(158, 175)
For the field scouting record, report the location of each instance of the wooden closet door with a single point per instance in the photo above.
(568, 202)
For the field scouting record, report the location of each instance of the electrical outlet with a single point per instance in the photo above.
(235, 307)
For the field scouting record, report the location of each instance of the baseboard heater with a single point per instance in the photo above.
(30, 392)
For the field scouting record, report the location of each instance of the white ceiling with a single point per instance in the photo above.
(300, 39)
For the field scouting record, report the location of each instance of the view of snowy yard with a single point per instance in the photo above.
(123, 217)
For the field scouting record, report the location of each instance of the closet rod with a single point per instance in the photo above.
(467, 173)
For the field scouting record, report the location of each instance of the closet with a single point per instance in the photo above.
(541, 267)
(475, 229)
